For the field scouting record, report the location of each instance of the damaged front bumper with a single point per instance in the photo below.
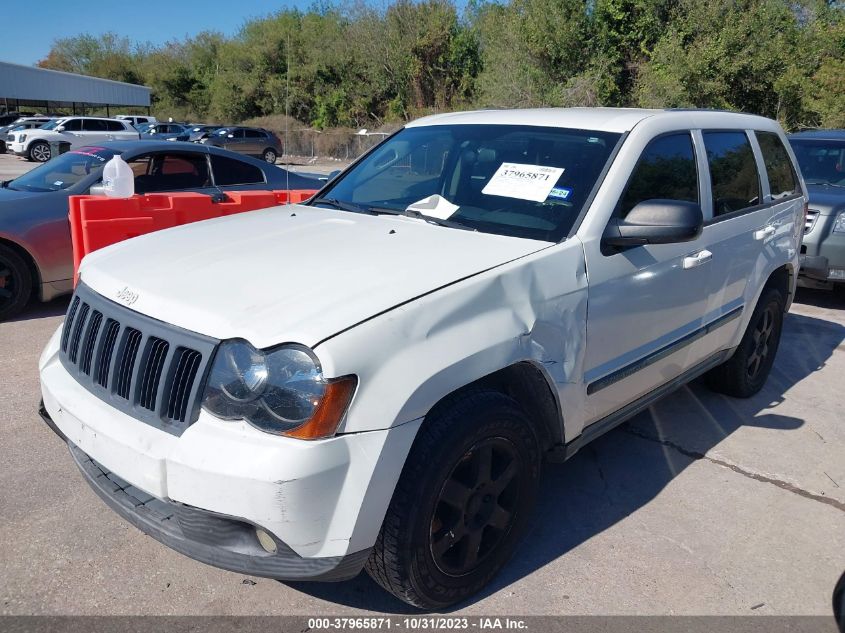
(208, 491)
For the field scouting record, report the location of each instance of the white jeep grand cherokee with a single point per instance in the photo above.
(372, 379)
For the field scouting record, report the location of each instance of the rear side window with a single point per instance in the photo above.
(782, 180)
(228, 171)
(254, 134)
(666, 170)
(733, 172)
(94, 125)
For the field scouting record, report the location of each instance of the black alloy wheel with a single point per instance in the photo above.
(476, 507)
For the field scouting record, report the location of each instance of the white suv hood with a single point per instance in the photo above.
(290, 274)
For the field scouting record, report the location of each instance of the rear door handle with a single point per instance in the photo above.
(702, 257)
(764, 233)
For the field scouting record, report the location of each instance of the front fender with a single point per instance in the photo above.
(407, 359)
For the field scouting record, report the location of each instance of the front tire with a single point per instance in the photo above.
(269, 156)
(40, 152)
(745, 373)
(15, 283)
(462, 502)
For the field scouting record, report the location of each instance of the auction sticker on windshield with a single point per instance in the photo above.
(526, 182)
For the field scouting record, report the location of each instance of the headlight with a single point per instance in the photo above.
(21, 138)
(839, 223)
(281, 391)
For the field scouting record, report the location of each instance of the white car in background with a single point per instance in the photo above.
(136, 120)
(372, 379)
(79, 131)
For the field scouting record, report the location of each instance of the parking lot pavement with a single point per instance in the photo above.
(12, 166)
(703, 505)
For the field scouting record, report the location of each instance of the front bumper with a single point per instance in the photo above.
(213, 539)
(823, 254)
(16, 148)
(321, 501)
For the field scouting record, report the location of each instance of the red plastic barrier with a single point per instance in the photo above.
(98, 221)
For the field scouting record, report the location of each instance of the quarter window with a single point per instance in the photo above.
(666, 170)
(733, 172)
(782, 180)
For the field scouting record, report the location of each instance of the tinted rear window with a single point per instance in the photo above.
(782, 180)
(229, 171)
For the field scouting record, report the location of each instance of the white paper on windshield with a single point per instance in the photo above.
(435, 205)
(526, 182)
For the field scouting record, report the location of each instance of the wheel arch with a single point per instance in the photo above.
(530, 386)
(783, 280)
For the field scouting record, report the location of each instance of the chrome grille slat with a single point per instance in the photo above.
(810, 221)
(143, 367)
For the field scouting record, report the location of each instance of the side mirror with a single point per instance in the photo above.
(61, 128)
(656, 222)
(231, 136)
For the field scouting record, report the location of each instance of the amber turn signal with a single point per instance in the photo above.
(329, 412)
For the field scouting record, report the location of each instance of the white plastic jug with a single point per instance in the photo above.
(118, 179)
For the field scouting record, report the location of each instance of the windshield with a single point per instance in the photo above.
(51, 125)
(822, 162)
(65, 170)
(521, 181)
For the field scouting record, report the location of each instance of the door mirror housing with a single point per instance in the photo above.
(61, 128)
(656, 222)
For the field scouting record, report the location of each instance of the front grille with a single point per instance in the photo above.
(810, 221)
(142, 366)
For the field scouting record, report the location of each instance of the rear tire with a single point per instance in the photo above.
(269, 156)
(462, 502)
(40, 152)
(745, 373)
(15, 283)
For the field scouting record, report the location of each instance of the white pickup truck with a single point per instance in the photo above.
(372, 379)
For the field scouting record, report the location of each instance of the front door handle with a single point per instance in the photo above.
(764, 233)
(702, 257)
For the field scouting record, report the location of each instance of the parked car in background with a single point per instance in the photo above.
(76, 130)
(164, 132)
(22, 123)
(247, 140)
(821, 156)
(35, 247)
(373, 379)
(136, 120)
(199, 131)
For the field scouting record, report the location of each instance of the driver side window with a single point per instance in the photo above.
(666, 170)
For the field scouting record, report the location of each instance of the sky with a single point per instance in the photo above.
(28, 33)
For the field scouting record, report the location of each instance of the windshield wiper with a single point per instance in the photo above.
(452, 224)
(342, 205)
(358, 208)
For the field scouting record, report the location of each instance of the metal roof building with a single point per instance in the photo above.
(28, 85)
